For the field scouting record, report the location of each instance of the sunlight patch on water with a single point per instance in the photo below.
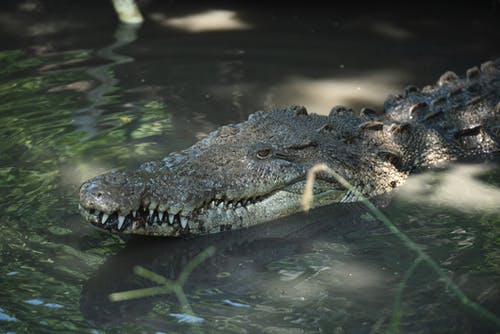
(74, 175)
(351, 275)
(320, 95)
(458, 188)
(235, 304)
(315, 281)
(187, 318)
(390, 30)
(5, 317)
(211, 20)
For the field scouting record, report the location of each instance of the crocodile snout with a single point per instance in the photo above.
(112, 192)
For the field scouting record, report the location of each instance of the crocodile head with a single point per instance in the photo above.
(238, 176)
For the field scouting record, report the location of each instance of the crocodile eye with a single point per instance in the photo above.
(264, 153)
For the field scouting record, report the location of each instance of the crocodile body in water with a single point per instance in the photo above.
(255, 171)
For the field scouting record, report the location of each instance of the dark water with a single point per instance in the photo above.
(81, 94)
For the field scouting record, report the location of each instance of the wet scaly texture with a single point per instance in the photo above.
(252, 172)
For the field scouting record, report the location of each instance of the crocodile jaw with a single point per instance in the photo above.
(211, 219)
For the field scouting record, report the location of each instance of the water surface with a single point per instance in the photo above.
(81, 94)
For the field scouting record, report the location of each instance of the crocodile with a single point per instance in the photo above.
(255, 171)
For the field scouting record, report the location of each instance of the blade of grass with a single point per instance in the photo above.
(396, 315)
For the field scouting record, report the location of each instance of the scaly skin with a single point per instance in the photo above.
(253, 172)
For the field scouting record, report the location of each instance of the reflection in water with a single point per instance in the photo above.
(210, 20)
(77, 86)
(253, 268)
(87, 118)
(127, 11)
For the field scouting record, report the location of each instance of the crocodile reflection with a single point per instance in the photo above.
(239, 255)
(294, 265)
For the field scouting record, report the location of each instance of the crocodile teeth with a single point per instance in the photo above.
(134, 213)
(151, 211)
(121, 219)
(184, 221)
(238, 205)
(170, 218)
(104, 217)
(160, 215)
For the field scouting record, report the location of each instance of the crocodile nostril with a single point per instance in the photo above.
(99, 195)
